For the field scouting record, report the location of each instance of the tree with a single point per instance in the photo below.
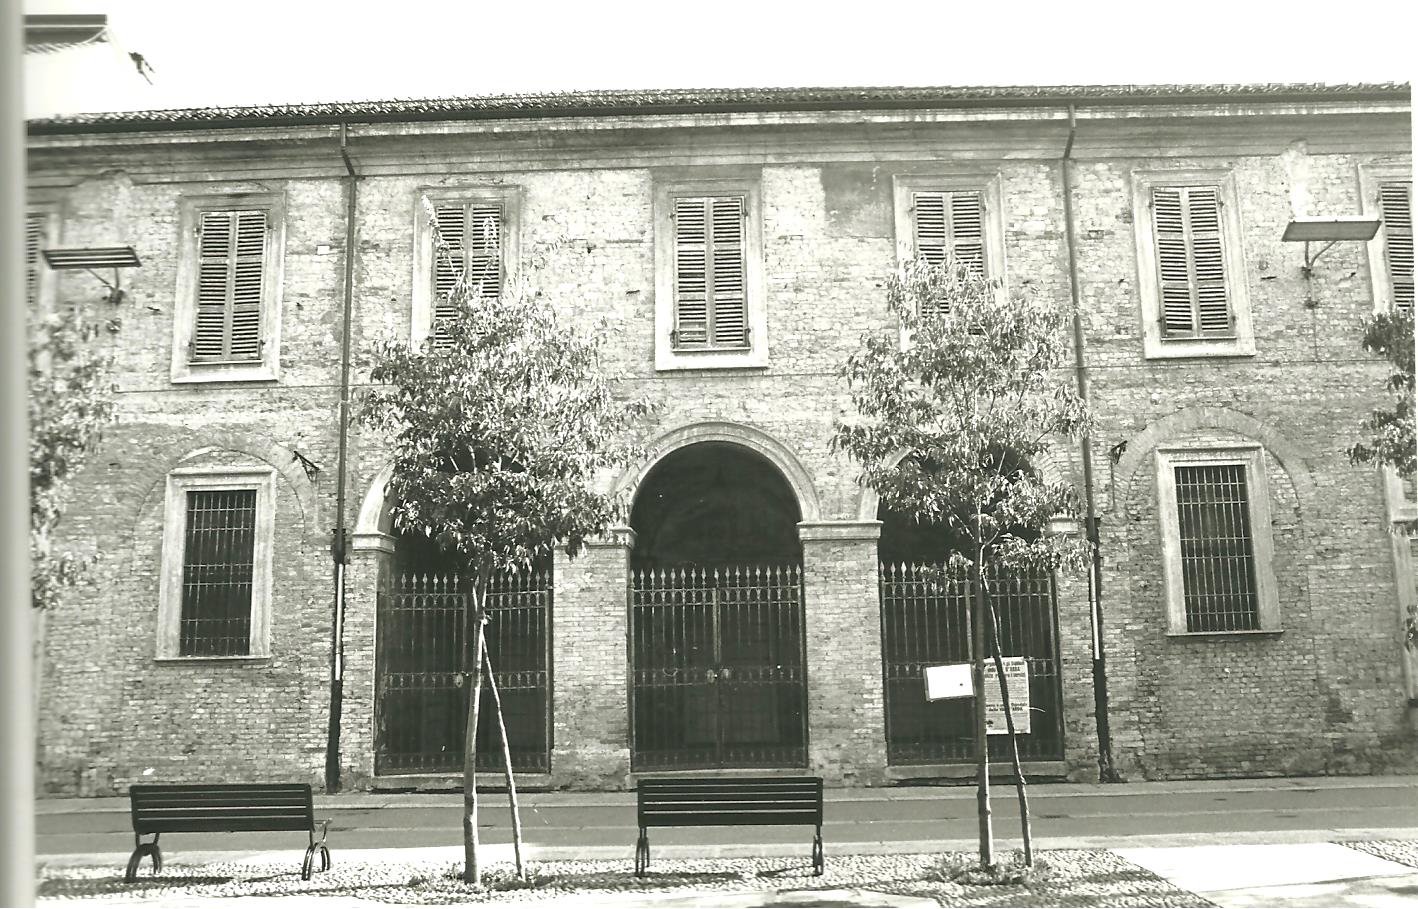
(70, 401)
(948, 429)
(499, 426)
(1390, 432)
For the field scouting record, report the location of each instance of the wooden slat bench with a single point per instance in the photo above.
(727, 801)
(225, 808)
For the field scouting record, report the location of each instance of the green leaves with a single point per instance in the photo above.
(500, 428)
(952, 419)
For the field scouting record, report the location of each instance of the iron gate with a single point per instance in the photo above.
(421, 709)
(717, 660)
(925, 622)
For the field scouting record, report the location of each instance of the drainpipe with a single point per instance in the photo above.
(1106, 772)
(339, 542)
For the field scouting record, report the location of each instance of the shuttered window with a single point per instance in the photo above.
(1218, 559)
(1396, 206)
(949, 225)
(474, 253)
(34, 239)
(231, 255)
(710, 278)
(219, 547)
(1191, 262)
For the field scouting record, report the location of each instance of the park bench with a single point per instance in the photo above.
(727, 801)
(225, 808)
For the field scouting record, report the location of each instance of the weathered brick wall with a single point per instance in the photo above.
(1322, 696)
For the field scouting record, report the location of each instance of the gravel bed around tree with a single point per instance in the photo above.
(1405, 852)
(1074, 878)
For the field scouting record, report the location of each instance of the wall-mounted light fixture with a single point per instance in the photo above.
(1329, 231)
(114, 257)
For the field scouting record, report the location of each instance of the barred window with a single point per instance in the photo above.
(217, 573)
(215, 599)
(1218, 560)
(1216, 534)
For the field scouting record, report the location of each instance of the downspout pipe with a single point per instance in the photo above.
(339, 541)
(1107, 773)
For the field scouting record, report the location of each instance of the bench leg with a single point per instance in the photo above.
(818, 862)
(642, 853)
(136, 859)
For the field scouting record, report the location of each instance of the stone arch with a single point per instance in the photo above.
(283, 460)
(1055, 466)
(1287, 455)
(750, 437)
(375, 518)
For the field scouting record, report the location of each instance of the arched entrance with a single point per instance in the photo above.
(421, 703)
(927, 623)
(716, 614)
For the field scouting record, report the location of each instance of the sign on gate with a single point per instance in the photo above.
(1016, 675)
(950, 681)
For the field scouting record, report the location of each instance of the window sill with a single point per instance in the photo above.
(1255, 632)
(181, 660)
(195, 373)
(1193, 349)
(668, 359)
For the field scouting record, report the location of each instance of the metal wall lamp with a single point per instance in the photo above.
(114, 257)
(1329, 231)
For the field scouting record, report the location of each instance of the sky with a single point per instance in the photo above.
(306, 51)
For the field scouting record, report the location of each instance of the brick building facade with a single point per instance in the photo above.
(830, 186)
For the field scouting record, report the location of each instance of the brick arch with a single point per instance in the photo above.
(1286, 454)
(1054, 465)
(750, 437)
(167, 457)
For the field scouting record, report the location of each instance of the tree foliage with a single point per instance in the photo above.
(499, 430)
(1389, 432)
(973, 399)
(70, 401)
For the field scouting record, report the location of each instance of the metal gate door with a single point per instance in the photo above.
(421, 706)
(717, 667)
(926, 623)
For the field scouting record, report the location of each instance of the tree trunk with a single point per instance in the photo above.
(982, 752)
(1013, 741)
(507, 769)
(471, 871)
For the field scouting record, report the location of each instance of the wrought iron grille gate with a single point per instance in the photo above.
(717, 660)
(421, 708)
(927, 623)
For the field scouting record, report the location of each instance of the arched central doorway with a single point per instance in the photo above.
(716, 614)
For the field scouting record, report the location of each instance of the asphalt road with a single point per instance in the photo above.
(601, 825)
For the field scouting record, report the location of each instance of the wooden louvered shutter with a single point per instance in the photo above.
(1191, 262)
(1396, 205)
(34, 238)
(231, 281)
(711, 281)
(473, 234)
(949, 225)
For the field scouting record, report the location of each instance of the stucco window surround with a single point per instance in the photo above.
(509, 197)
(180, 482)
(1371, 175)
(1251, 459)
(669, 356)
(1155, 345)
(265, 367)
(987, 183)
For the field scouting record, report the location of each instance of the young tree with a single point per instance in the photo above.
(70, 401)
(499, 426)
(1390, 431)
(948, 428)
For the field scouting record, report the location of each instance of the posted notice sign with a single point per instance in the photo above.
(953, 680)
(1016, 674)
